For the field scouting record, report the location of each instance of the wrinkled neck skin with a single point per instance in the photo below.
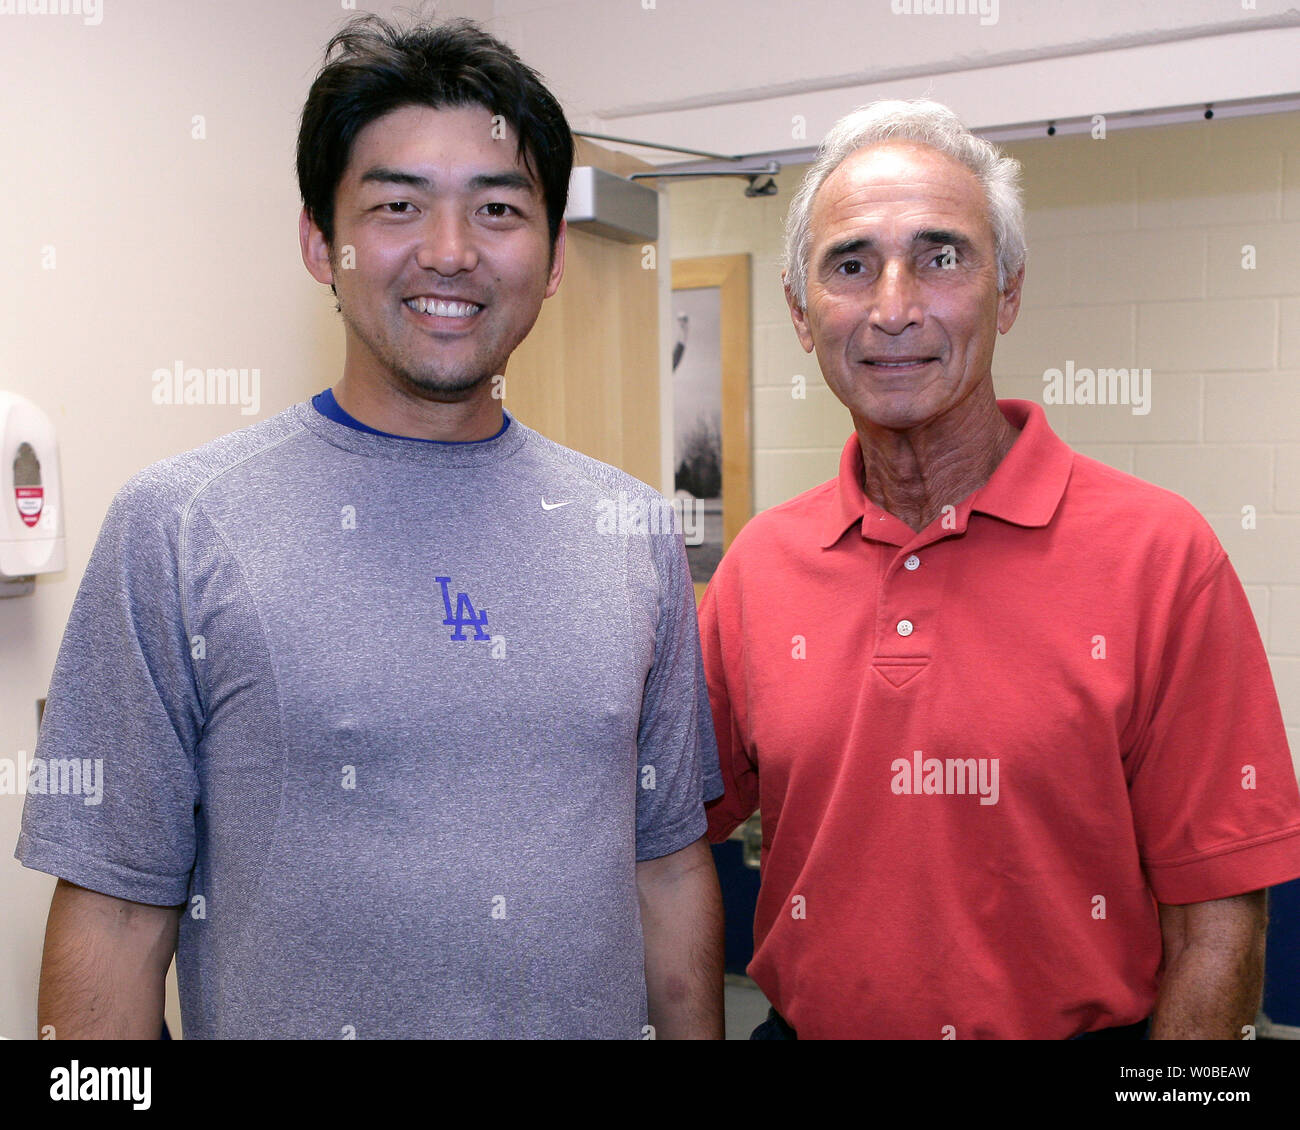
(913, 474)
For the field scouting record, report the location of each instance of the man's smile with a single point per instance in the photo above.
(443, 314)
(442, 307)
(897, 364)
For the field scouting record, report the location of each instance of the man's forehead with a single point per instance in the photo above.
(894, 176)
(461, 140)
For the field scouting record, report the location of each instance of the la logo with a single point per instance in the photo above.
(465, 615)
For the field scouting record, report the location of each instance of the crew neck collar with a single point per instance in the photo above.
(400, 449)
(326, 403)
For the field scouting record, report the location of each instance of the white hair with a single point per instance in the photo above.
(925, 123)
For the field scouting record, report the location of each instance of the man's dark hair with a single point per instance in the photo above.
(373, 67)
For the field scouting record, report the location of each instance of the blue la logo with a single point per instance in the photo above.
(465, 616)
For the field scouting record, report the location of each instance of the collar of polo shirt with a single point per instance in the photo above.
(1025, 490)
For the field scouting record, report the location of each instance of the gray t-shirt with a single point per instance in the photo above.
(394, 719)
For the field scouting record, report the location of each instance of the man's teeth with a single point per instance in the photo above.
(441, 309)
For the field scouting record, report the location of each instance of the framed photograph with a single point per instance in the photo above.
(711, 429)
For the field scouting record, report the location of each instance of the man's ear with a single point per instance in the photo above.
(315, 249)
(557, 260)
(799, 316)
(1009, 301)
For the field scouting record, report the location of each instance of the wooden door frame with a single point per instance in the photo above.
(730, 274)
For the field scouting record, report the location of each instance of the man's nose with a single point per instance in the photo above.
(896, 299)
(447, 244)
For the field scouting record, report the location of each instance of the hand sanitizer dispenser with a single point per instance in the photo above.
(31, 502)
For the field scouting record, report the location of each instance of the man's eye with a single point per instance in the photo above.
(851, 267)
(498, 210)
(398, 206)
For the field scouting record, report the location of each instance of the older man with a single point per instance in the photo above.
(1004, 710)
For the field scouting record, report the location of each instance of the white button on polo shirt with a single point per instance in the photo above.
(905, 627)
(912, 563)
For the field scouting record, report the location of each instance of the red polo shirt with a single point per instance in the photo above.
(982, 752)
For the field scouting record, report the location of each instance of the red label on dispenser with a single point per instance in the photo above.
(31, 501)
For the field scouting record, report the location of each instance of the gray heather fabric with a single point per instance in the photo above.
(260, 625)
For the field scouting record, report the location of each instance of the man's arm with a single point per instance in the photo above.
(1213, 969)
(105, 965)
(681, 919)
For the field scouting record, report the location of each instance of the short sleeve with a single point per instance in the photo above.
(1215, 803)
(112, 787)
(722, 654)
(677, 760)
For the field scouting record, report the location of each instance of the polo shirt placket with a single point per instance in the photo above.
(914, 575)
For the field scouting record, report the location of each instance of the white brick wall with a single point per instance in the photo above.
(1135, 260)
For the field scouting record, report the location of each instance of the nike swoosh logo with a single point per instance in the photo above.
(555, 505)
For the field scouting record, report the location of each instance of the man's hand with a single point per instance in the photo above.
(1213, 969)
(105, 966)
(681, 919)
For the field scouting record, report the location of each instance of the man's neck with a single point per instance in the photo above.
(914, 475)
(380, 405)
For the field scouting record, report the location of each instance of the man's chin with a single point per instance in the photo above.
(447, 386)
(901, 410)
(892, 414)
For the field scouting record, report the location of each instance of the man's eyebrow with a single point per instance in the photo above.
(501, 180)
(848, 247)
(941, 236)
(381, 174)
(856, 244)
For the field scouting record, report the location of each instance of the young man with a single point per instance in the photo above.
(401, 737)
